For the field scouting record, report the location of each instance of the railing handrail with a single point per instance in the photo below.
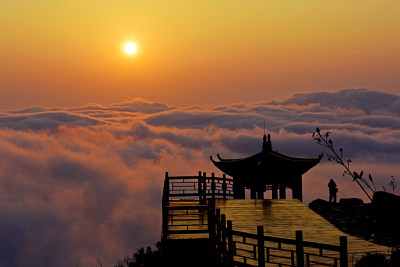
(183, 207)
(197, 176)
(200, 186)
(289, 241)
(324, 246)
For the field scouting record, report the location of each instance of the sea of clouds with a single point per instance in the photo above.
(80, 186)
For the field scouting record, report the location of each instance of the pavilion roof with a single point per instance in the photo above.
(267, 163)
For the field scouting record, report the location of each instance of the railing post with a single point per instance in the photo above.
(299, 249)
(343, 251)
(165, 203)
(211, 222)
(218, 225)
(230, 243)
(213, 186)
(224, 186)
(200, 188)
(166, 187)
(204, 190)
(224, 252)
(164, 222)
(260, 245)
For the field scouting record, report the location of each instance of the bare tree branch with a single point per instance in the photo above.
(324, 140)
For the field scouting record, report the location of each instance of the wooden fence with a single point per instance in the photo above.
(200, 186)
(236, 248)
(191, 219)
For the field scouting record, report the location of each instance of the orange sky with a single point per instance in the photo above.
(71, 52)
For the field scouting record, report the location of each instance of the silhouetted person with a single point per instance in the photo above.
(332, 190)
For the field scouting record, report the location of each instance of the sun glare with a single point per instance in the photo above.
(130, 48)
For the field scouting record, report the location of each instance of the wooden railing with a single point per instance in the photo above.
(187, 220)
(191, 219)
(200, 186)
(236, 248)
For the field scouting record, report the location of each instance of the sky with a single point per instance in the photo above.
(193, 52)
(87, 132)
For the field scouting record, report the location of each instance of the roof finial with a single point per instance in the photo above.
(264, 126)
(267, 145)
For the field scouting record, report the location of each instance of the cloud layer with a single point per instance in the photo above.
(83, 184)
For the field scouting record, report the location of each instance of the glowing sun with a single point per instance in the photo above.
(130, 48)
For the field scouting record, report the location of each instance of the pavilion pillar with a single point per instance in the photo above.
(274, 191)
(297, 192)
(260, 193)
(238, 189)
(282, 191)
(253, 192)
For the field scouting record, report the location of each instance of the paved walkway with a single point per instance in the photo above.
(281, 218)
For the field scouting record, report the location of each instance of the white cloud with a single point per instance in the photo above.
(80, 184)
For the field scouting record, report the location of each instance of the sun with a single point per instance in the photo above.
(130, 48)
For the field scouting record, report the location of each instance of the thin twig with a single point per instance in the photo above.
(325, 141)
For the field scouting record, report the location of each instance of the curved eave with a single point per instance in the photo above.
(288, 158)
(264, 163)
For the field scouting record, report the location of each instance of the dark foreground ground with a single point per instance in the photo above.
(377, 222)
(189, 252)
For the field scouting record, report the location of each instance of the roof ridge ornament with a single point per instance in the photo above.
(267, 145)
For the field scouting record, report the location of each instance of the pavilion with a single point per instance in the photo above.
(267, 170)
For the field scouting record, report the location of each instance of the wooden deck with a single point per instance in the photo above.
(280, 218)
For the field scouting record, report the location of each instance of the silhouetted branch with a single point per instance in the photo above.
(323, 139)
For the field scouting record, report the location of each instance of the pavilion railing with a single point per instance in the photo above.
(199, 187)
(191, 219)
(187, 220)
(236, 248)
